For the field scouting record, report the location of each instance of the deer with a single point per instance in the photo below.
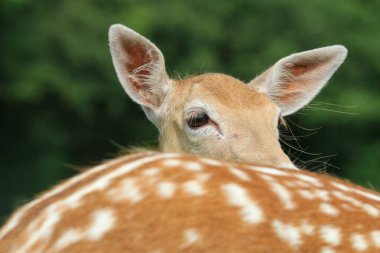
(175, 202)
(216, 115)
(221, 182)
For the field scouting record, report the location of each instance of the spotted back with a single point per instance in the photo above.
(162, 202)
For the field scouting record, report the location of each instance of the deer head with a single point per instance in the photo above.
(216, 115)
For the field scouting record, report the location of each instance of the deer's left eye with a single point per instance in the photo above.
(197, 119)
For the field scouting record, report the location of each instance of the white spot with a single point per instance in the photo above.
(44, 231)
(74, 200)
(289, 166)
(69, 237)
(283, 194)
(287, 232)
(151, 172)
(267, 178)
(344, 197)
(130, 191)
(330, 235)
(322, 194)
(328, 209)
(367, 195)
(340, 186)
(307, 228)
(371, 210)
(375, 236)
(191, 236)
(327, 250)
(303, 184)
(194, 187)
(306, 194)
(193, 166)
(172, 162)
(53, 216)
(211, 162)
(270, 171)
(166, 189)
(359, 242)
(237, 196)
(102, 221)
(309, 179)
(239, 174)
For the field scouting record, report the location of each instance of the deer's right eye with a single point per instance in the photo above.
(197, 119)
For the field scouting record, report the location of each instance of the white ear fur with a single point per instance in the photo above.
(296, 79)
(140, 68)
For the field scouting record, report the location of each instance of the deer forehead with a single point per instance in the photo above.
(225, 93)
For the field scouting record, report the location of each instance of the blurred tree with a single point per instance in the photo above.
(60, 101)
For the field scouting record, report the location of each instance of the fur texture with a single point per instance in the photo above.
(154, 202)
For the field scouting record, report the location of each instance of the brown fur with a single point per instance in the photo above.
(155, 224)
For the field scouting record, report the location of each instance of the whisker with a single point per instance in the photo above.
(297, 136)
(330, 110)
(321, 157)
(331, 104)
(295, 139)
(303, 128)
(290, 146)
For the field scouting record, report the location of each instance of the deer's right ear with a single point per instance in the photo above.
(140, 67)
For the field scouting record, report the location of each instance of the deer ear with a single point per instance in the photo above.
(296, 79)
(140, 68)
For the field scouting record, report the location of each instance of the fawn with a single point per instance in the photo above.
(173, 202)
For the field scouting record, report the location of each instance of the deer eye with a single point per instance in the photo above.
(197, 119)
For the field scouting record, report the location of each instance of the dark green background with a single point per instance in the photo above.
(61, 104)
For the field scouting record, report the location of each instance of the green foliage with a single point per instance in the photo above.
(61, 104)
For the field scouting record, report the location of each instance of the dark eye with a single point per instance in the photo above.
(197, 119)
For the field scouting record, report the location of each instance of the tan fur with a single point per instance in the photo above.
(249, 121)
(208, 220)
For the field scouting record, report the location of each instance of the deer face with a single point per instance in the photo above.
(216, 115)
(220, 117)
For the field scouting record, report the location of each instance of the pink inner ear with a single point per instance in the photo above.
(138, 55)
(298, 70)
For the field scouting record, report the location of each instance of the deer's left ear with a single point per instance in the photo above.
(296, 79)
